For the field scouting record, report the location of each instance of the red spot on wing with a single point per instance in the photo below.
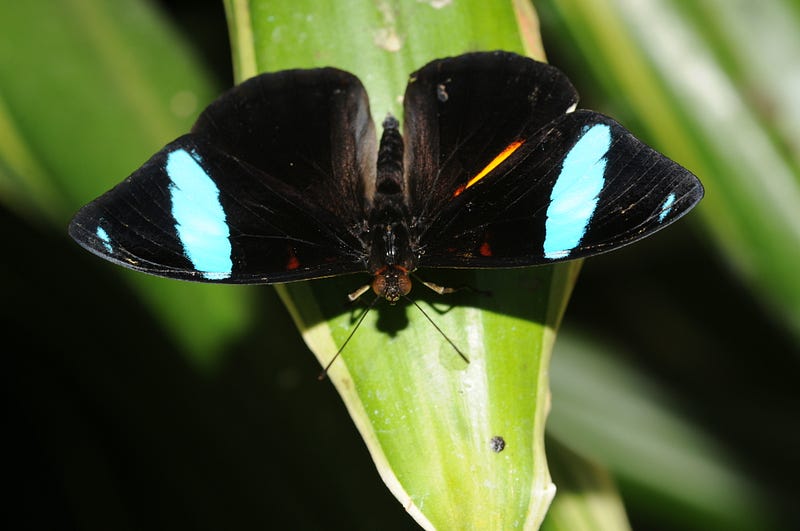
(485, 249)
(293, 263)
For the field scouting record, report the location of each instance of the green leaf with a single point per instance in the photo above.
(713, 85)
(587, 497)
(616, 416)
(427, 417)
(86, 92)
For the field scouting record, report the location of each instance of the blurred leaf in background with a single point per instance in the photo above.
(713, 317)
(714, 84)
(129, 411)
(88, 89)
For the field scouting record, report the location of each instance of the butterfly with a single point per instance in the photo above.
(283, 178)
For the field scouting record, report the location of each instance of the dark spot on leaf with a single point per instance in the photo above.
(497, 444)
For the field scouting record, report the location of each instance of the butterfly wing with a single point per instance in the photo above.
(461, 112)
(311, 129)
(576, 185)
(247, 197)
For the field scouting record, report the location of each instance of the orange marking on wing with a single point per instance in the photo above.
(511, 148)
(485, 249)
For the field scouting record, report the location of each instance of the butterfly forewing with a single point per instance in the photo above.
(580, 186)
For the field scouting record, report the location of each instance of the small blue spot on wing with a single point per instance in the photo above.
(103, 235)
(666, 207)
(574, 197)
(200, 220)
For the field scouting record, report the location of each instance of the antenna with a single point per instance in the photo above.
(463, 357)
(324, 373)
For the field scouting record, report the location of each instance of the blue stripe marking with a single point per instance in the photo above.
(574, 197)
(103, 235)
(666, 207)
(199, 218)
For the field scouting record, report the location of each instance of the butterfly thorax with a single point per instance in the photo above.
(391, 257)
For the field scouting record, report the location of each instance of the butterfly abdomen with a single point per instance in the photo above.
(391, 257)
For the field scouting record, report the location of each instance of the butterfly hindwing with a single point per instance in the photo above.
(581, 186)
(311, 129)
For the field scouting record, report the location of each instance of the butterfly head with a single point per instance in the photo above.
(392, 283)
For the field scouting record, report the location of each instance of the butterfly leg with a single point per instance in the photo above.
(359, 292)
(442, 290)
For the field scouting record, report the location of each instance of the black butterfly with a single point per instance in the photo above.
(281, 179)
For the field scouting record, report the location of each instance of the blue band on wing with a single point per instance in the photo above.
(199, 218)
(575, 194)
